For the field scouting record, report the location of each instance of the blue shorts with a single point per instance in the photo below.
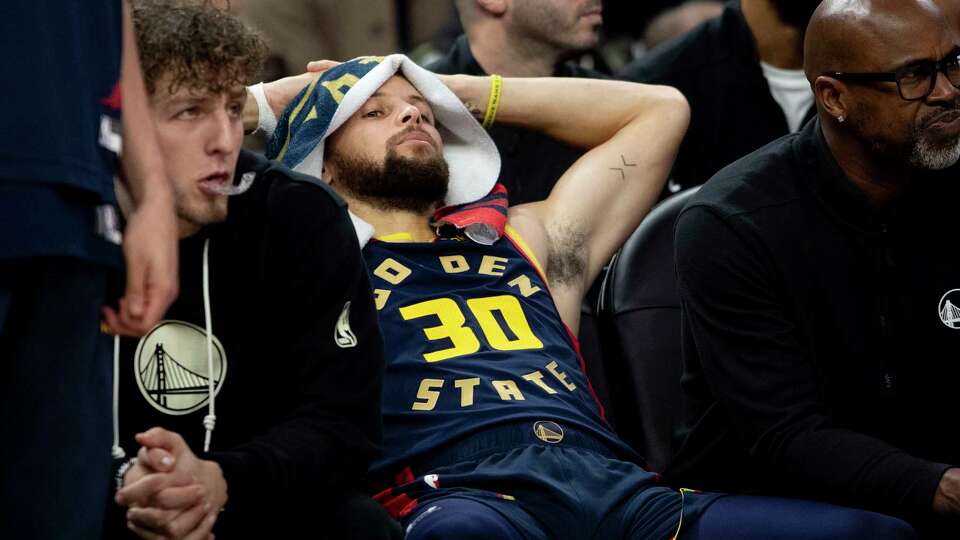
(506, 482)
(55, 375)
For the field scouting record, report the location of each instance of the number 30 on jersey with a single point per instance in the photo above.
(463, 339)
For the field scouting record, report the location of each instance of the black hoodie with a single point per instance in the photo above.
(298, 355)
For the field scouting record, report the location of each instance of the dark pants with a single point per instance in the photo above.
(741, 517)
(54, 400)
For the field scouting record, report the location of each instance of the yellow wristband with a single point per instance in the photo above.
(496, 87)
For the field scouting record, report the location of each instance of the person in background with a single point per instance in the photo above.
(743, 76)
(525, 38)
(298, 31)
(679, 20)
(819, 285)
(253, 409)
(71, 69)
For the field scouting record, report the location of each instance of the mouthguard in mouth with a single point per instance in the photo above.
(246, 180)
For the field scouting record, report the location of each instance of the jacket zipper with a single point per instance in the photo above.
(888, 379)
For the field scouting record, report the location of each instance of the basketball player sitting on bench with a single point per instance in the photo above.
(490, 426)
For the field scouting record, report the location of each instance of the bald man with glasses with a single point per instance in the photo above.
(915, 80)
(820, 283)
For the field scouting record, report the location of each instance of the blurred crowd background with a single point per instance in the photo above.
(301, 30)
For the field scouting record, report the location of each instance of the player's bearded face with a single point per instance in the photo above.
(416, 184)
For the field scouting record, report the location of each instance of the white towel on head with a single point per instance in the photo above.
(471, 155)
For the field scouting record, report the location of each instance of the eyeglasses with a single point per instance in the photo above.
(914, 81)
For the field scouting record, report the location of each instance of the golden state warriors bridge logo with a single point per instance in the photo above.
(548, 432)
(171, 367)
(949, 309)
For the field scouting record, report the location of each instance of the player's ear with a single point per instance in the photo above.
(326, 173)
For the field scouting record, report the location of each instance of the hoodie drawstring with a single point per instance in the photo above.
(210, 420)
(116, 451)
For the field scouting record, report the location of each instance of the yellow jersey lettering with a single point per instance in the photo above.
(428, 393)
(454, 264)
(527, 288)
(561, 376)
(537, 378)
(453, 321)
(380, 297)
(451, 327)
(512, 313)
(492, 266)
(466, 387)
(508, 390)
(335, 86)
(392, 272)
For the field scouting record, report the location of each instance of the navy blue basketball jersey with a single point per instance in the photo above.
(473, 339)
(62, 129)
(61, 92)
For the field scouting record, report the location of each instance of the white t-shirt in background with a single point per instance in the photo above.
(791, 90)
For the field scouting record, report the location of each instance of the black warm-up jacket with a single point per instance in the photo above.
(820, 353)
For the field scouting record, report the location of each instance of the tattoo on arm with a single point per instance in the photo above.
(477, 112)
(623, 174)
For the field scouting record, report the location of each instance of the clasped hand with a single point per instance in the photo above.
(170, 493)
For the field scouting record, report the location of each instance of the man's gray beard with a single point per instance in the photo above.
(932, 158)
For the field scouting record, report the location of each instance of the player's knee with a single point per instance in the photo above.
(861, 525)
(461, 519)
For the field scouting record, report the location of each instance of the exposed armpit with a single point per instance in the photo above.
(567, 256)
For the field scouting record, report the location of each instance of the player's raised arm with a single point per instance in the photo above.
(633, 132)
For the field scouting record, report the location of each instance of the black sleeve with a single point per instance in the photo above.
(638, 71)
(331, 340)
(762, 378)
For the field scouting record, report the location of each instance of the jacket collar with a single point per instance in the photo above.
(840, 197)
(463, 61)
(846, 202)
